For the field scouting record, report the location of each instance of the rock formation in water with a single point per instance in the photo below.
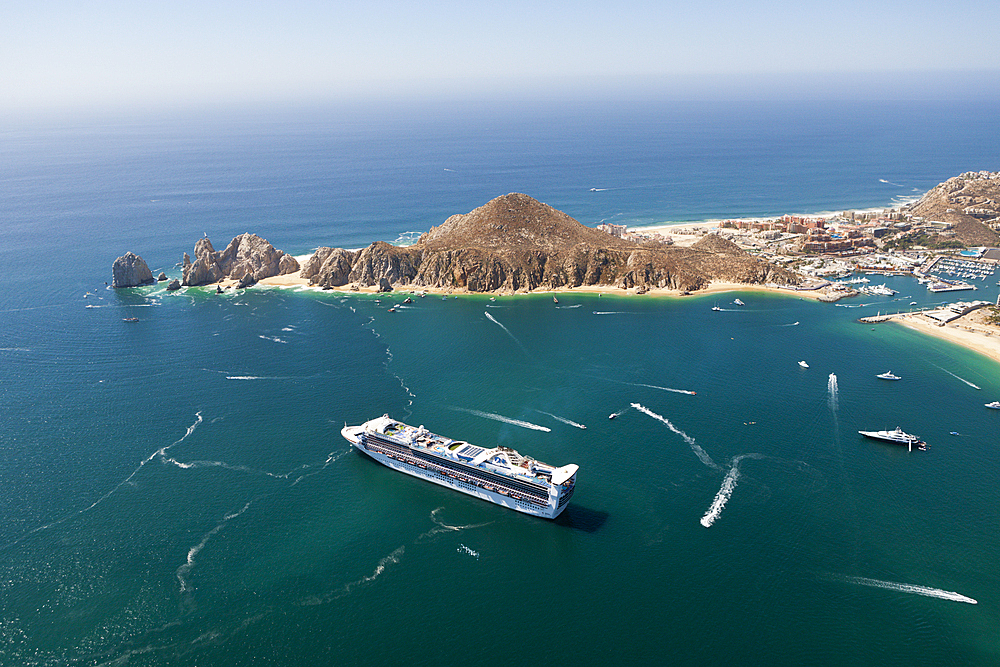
(515, 243)
(130, 270)
(247, 258)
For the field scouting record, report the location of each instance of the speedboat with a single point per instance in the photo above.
(716, 307)
(888, 376)
(995, 405)
(803, 364)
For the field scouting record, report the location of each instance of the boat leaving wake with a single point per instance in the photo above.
(910, 588)
(562, 419)
(501, 418)
(831, 387)
(512, 336)
(726, 490)
(958, 378)
(698, 451)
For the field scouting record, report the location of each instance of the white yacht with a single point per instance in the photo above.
(888, 375)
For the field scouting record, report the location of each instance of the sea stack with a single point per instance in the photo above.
(130, 270)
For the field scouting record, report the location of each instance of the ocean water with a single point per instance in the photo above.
(175, 491)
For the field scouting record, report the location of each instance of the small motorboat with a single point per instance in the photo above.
(995, 405)
(888, 375)
(612, 415)
(803, 364)
(738, 302)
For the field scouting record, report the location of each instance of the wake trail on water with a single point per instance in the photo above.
(501, 418)
(159, 452)
(442, 527)
(726, 490)
(562, 419)
(512, 336)
(958, 378)
(698, 451)
(909, 588)
(185, 569)
(332, 458)
(833, 391)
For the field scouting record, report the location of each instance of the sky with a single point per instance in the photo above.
(62, 54)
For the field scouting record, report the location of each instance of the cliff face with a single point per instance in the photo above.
(248, 258)
(970, 202)
(515, 243)
(130, 270)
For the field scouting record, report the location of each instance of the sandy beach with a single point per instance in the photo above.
(969, 331)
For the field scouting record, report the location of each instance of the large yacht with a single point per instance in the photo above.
(498, 474)
(898, 437)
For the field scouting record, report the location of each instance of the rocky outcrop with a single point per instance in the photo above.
(162, 277)
(247, 256)
(130, 270)
(515, 243)
(329, 267)
(173, 285)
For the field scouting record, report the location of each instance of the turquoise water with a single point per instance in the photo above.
(176, 490)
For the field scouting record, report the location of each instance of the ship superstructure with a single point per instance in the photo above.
(498, 474)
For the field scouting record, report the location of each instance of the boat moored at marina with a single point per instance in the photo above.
(499, 474)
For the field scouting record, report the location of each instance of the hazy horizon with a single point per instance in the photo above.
(113, 56)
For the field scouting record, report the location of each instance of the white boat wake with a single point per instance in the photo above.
(159, 452)
(506, 330)
(501, 418)
(910, 588)
(442, 527)
(831, 387)
(562, 419)
(958, 378)
(186, 568)
(698, 451)
(726, 490)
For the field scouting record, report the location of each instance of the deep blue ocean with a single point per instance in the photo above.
(175, 491)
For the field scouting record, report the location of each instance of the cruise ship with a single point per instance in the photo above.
(497, 474)
(898, 437)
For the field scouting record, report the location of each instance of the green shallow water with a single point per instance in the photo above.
(179, 492)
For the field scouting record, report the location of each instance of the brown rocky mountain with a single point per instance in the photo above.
(515, 243)
(970, 202)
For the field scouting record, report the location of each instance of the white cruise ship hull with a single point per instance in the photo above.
(463, 481)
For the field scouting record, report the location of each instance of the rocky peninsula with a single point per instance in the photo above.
(515, 243)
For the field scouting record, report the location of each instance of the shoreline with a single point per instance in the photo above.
(965, 331)
(293, 280)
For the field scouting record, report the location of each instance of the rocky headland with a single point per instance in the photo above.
(969, 202)
(515, 243)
